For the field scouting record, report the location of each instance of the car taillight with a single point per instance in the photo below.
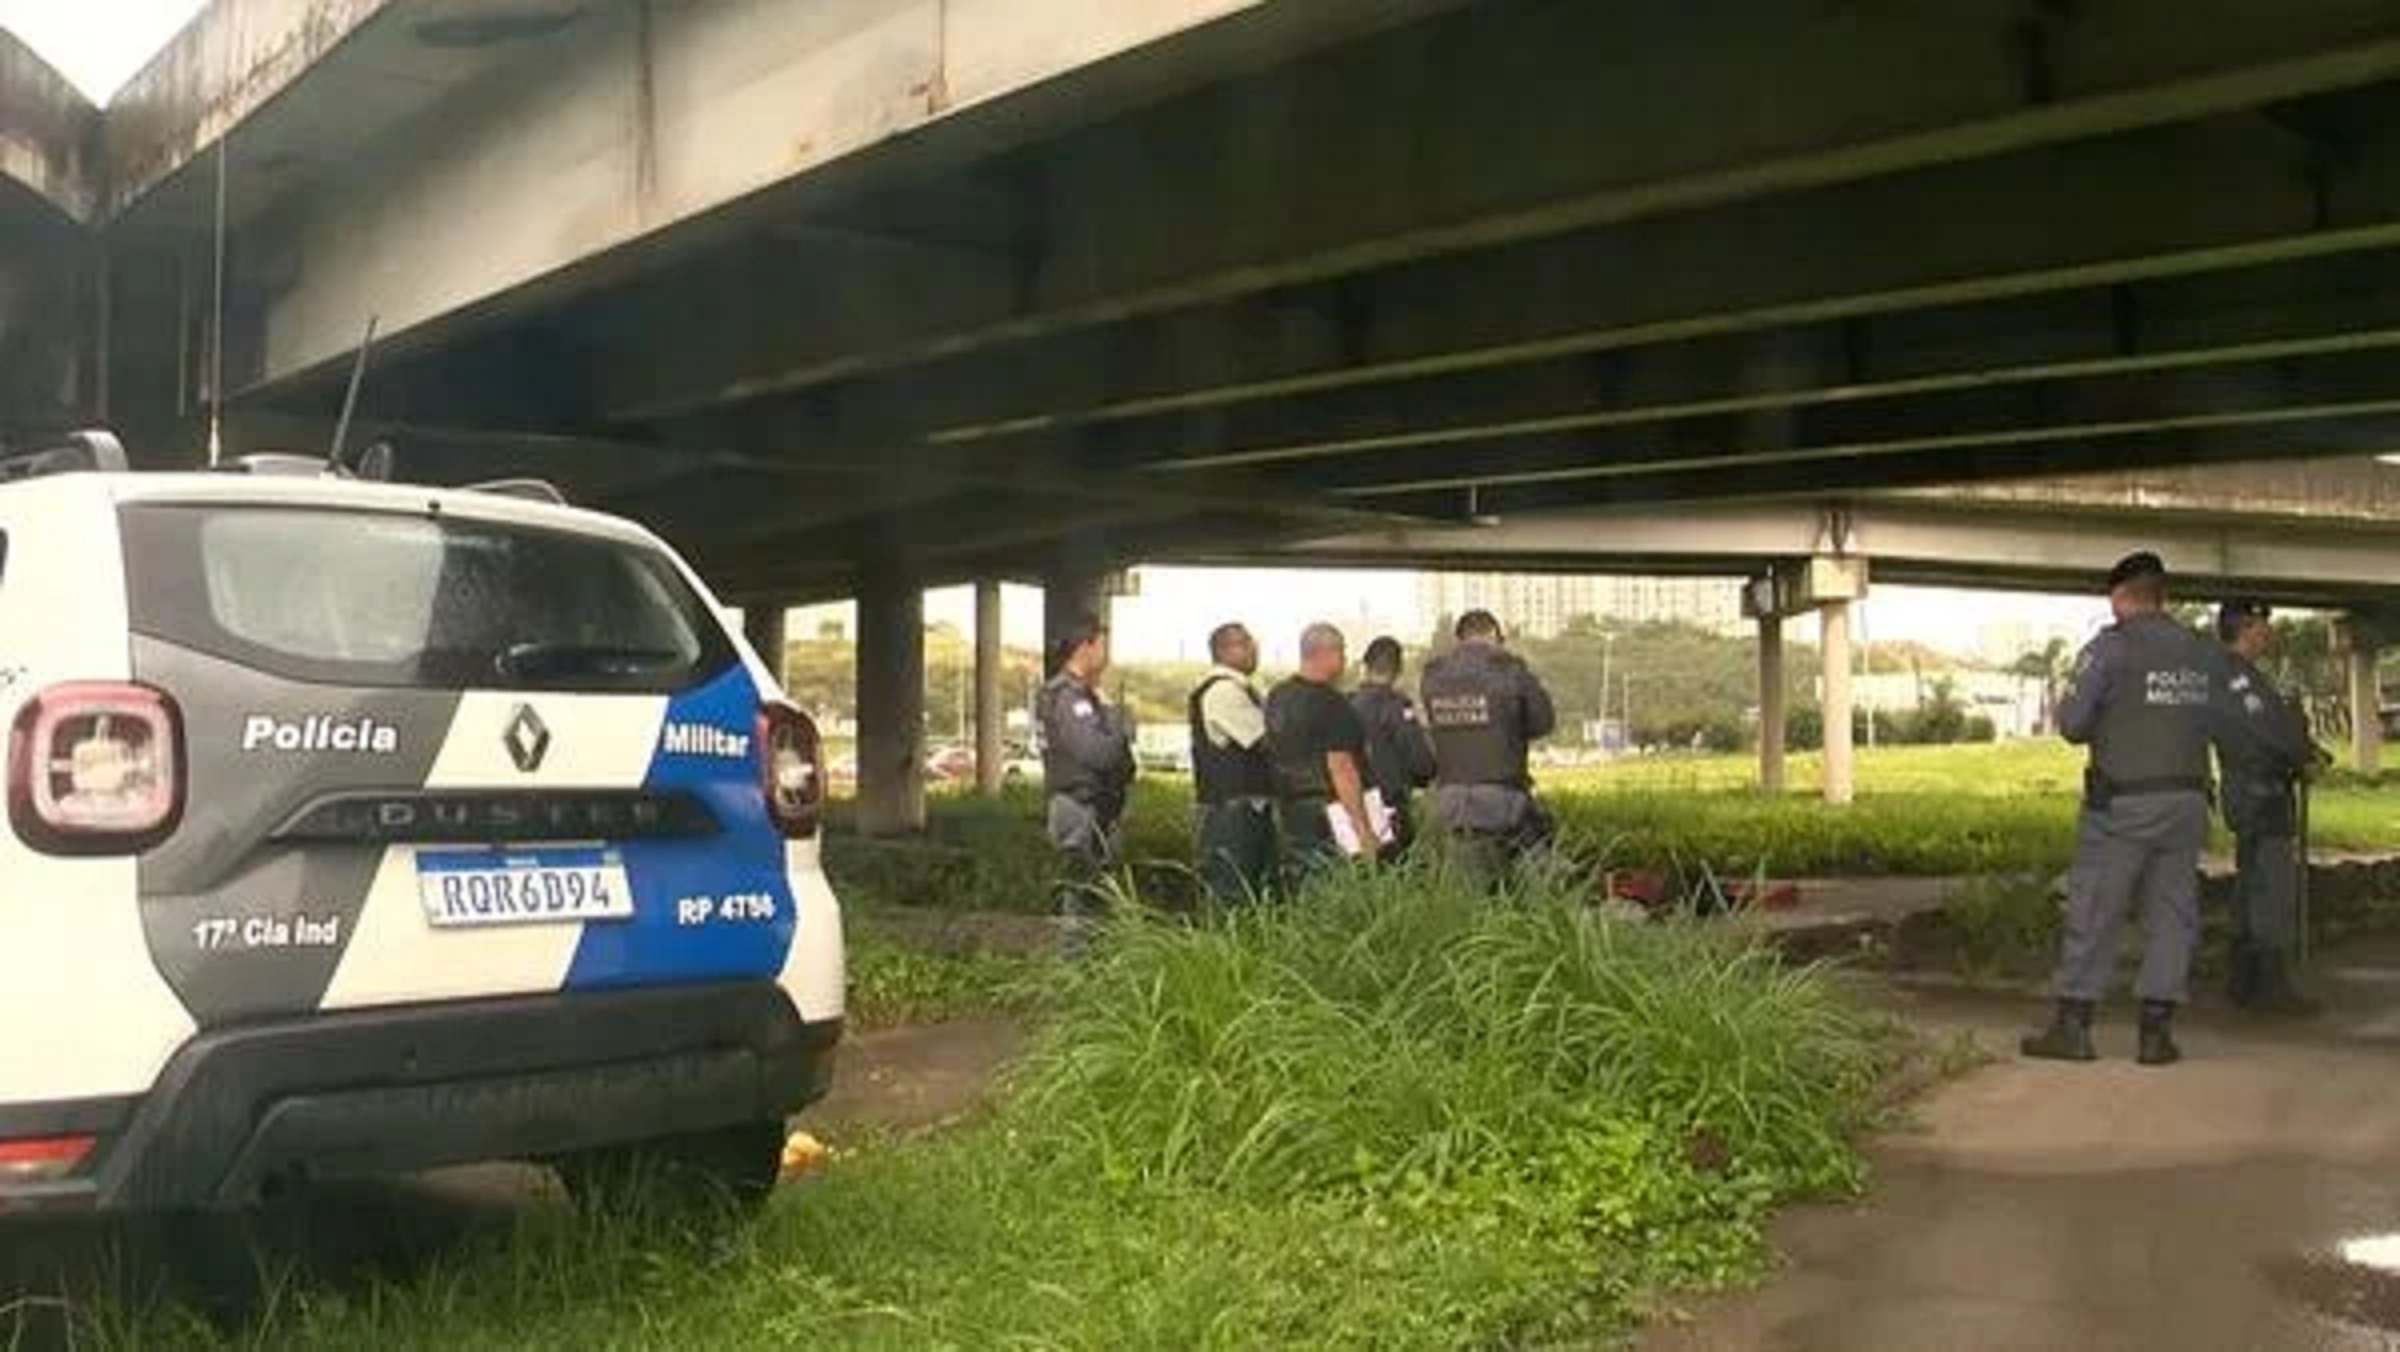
(791, 769)
(96, 769)
(43, 1158)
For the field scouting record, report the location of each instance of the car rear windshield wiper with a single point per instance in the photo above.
(582, 659)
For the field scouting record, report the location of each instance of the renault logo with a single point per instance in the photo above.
(528, 739)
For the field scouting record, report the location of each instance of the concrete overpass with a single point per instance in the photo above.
(2314, 534)
(858, 296)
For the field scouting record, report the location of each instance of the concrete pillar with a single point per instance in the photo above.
(1835, 618)
(988, 708)
(891, 706)
(1772, 713)
(762, 624)
(2366, 706)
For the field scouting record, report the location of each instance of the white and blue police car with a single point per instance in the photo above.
(359, 828)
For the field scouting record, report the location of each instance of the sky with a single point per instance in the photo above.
(97, 44)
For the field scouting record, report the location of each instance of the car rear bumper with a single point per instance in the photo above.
(387, 1091)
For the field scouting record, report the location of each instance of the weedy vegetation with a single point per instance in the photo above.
(1393, 1114)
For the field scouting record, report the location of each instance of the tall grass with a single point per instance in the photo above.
(1394, 1114)
(1920, 811)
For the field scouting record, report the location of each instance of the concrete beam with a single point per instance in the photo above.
(2318, 390)
(2316, 307)
(891, 706)
(990, 712)
(1772, 699)
(47, 133)
(2366, 708)
(2032, 547)
(1297, 190)
(230, 61)
(1700, 475)
(1834, 649)
(763, 625)
(702, 117)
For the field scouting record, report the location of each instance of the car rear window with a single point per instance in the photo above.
(362, 599)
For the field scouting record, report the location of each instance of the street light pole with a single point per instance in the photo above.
(1608, 652)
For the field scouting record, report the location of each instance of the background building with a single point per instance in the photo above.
(1540, 605)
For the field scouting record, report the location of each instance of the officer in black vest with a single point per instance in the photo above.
(1399, 750)
(2261, 777)
(2149, 697)
(1484, 707)
(1087, 769)
(1233, 776)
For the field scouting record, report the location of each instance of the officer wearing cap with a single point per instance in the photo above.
(1087, 769)
(1484, 706)
(2261, 775)
(1399, 751)
(2148, 700)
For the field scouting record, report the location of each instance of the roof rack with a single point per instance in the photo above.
(86, 452)
(95, 451)
(532, 490)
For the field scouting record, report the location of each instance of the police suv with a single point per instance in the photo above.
(357, 828)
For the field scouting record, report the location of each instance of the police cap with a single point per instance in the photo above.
(2234, 616)
(2136, 565)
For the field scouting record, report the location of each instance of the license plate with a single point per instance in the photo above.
(470, 889)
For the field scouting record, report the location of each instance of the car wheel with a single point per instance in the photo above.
(703, 1179)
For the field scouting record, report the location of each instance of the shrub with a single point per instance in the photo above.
(1395, 1114)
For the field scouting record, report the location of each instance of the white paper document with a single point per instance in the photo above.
(1346, 835)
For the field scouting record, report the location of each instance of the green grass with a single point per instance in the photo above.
(1395, 1116)
(1957, 810)
(894, 983)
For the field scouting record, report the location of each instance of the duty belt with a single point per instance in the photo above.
(2099, 790)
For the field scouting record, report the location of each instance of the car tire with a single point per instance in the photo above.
(703, 1179)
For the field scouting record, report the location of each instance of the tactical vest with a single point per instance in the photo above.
(1472, 708)
(2153, 734)
(1222, 774)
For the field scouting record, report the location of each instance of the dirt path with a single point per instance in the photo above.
(2039, 1205)
(908, 1079)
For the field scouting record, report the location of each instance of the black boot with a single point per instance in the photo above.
(2158, 1038)
(2277, 995)
(2068, 1038)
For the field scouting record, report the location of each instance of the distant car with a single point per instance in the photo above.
(950, 764)
(1174, 758)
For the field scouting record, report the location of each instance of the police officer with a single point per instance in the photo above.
(2148, 699)
(2261, 774)
(1233, 777)
(1399, 750)
(1484, 706)
(1320, 751)
(1087, 768)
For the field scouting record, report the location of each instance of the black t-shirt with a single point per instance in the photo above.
(1305, 722)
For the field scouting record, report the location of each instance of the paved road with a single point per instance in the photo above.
(2208, 1205)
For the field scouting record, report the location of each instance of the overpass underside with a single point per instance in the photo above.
(857, 296)
(1285, 268)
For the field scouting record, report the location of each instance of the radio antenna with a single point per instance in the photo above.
(358, 372)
